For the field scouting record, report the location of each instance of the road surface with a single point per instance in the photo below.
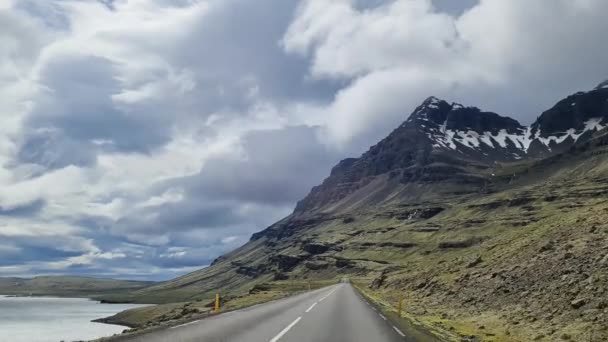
(334, 314)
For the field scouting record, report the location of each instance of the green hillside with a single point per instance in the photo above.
(67, 286)
(481, 247)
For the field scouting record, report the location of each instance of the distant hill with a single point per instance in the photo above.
(67, 286)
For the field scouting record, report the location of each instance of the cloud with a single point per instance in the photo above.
(143, 138)
(395, 53)
(24, 210)
(263, 167)
(409, 35)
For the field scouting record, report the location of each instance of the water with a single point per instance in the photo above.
(41, 319)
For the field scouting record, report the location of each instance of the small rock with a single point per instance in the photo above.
(577, 303)
(476, 261)
(549, 246)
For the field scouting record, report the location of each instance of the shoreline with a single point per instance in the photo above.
(91, 320)
(104, 320)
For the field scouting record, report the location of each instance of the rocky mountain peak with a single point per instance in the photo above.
(455, 116)
(439, 138)
(431, 110)
(572, 119)
(602, 85)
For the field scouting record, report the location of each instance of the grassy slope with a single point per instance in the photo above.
(65, 286)
(540, 272)
(523, 258)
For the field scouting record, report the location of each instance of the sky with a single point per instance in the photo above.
(141, 139)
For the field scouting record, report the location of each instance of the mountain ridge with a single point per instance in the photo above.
(436, 129)
(476, 227)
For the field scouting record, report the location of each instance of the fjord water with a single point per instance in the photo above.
(42, 319)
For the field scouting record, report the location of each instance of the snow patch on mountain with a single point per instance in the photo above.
(445, 138)
(593, 124)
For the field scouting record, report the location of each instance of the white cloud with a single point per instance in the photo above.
(348, 42)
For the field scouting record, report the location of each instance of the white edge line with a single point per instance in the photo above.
(185, 324)
(312, 306)
(284, 331)
(381, 315)
(398, 331)
(373, 308)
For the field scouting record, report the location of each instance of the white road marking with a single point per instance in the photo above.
(312, 306)
(373, 308)
(381, 315)
(185, 324)
(398, 331)
(284, 331)
(329, 294)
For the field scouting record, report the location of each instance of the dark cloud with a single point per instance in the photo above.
(226, 58)
(76, 117)
(24, 210)
(48, 12)
(454, 7)
(174, 217)
(278, 167)
(52, 149)
(26, 254)
(25, 248)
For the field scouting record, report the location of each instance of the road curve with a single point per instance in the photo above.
(334, 314)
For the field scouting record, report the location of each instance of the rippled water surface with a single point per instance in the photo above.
(36, 319)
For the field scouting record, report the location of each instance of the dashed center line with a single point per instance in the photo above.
(284, 331)
(329, 294)
(381, 315)
(312, 306)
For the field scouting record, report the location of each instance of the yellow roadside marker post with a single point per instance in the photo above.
(217, 302)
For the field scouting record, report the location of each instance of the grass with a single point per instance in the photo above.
(67, 286)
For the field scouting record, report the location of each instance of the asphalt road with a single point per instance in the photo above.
(334, 314)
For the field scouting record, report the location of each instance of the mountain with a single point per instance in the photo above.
(489, 228)
(67, 286)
